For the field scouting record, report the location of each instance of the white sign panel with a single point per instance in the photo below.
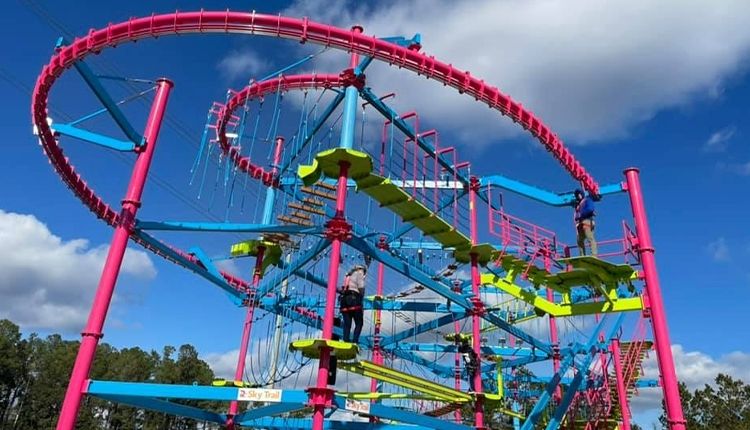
(357, 406)
(258, 395)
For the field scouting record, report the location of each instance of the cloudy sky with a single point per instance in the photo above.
(659, 85)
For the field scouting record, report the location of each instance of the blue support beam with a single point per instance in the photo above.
(583, 371)
(95, 138)
(417, 275)
(208, 264)
(277, 423)
(270, 410)
(540, 195)
(489, 350)
(165, 391)
(303, 274)
(518, 333)
(647, 383)
(427, 246)
(236, 296)
(408, 270)
(290, 313)
(269, 283)
(389, 413)
(524, 361)
(167, 407)
(226, 227)
(306, 302)
(422, 328)
(106, 100)
(436, 368)
(400, 305)
(349, 119)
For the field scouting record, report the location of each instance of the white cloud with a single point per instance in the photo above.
(246, 64)
(47, 282)
(719, 140)
(591, 70)
(719, 250)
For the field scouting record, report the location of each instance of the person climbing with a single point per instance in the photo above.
(584, 219)
(471, 361)
(351, 299)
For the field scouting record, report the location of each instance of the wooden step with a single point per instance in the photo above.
(312, 201)
(326, 186)
(305, 208)
(301, 215)
(319, 193)
(292, 220)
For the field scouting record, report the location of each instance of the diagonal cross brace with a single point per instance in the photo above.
(272, 282)
(101, 93)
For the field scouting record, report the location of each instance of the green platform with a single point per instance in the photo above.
(406, 380)
(271, 253)
(392, 197)
(310, 348)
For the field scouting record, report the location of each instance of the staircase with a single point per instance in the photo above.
(304, 211)
(632, 355)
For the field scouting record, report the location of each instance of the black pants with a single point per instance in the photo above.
(357, 316)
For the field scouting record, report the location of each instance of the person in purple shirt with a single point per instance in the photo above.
(584, 219)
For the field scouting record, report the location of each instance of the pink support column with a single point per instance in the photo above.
(457, 358)
(553, 336)
(130, 204)
(338, 230)
(354, 60)
(377, 354)
(675, 418)
(247, 327)
(478, 305)
(622, 393)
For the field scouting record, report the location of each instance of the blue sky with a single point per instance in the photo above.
(622, 90)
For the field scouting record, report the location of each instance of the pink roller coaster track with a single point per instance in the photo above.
(303, 31)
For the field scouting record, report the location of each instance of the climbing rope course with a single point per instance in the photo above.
(472, 316)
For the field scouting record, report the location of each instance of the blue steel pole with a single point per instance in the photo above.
(351, 97)
(349, 120)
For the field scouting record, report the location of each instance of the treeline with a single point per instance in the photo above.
(724, 406)
(34, 373)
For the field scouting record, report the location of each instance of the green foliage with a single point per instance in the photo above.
(34, 374)
(725, 406)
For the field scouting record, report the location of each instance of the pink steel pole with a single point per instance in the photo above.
(247, 327)
(478, 306)
(377, 356)
(553, 336)
(675, 418)
(457, 361)
(622, 394)
(354, 61)
(338, 229)
(130, 204)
